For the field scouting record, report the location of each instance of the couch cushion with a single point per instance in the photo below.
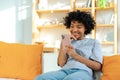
(111, 68)
(20, 60)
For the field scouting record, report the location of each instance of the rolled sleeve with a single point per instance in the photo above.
(97, 52)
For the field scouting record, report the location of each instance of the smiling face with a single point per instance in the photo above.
(77, 30)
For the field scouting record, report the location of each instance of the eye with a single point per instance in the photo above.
(71, 26)
(79, 27)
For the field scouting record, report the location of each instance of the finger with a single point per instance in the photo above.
(72, 47)
(62, 36)
(73, 37)
(69, 46)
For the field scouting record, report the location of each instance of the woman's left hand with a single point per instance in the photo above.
(70, 50)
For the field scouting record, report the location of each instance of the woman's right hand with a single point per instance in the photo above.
(66, 41)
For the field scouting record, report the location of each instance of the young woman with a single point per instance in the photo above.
(78, 56)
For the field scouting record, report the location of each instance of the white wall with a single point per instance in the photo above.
(50, 62)
(16, 21)
(118, 26)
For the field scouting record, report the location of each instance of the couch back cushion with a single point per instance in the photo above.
(21, 61)
(111, 68)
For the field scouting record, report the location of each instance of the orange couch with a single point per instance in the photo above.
(24, 62)
(20, 61)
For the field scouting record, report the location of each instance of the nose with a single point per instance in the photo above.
(74, 29)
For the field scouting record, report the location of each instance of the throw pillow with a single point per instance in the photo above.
(111, 68)
(20, 61)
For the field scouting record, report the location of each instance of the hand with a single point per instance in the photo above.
(70, 50)
(66, 39)
(66, 42)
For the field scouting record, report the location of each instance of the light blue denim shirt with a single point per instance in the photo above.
(88, 48)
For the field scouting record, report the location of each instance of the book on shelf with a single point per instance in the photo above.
(89, 3)
(112, 19)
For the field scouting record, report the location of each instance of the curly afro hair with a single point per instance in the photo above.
(82, 17)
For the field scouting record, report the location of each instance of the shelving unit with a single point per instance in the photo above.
(113, 26)
(83, 6)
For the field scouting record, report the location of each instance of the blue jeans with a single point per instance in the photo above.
(65, 74)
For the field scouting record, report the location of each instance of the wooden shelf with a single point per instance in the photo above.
(107, 42)
(105, 25)
(49, 49)
(84, 9)
(46, 49)
(52, 11)
(107, 8)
